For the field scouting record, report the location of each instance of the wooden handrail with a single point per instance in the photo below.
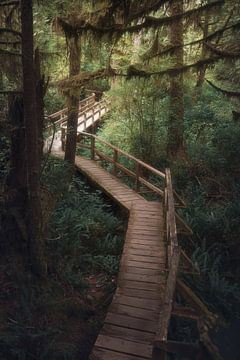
(114, 159)
(82, 112)
(124, 153)
(63, 111)
(172, 264)
(61, 115)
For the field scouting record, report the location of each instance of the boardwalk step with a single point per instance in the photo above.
(131, 322)
(128, 334)
(136, 302)
(133, 311)
(124, 346)
(102, 354)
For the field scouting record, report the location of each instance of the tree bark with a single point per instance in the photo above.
(39, 101)
(72, 100)
(202, 71)
(175, 147)
(31, 133)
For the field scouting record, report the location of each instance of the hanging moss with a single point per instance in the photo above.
(84, 78)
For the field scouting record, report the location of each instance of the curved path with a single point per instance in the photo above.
(132, 319)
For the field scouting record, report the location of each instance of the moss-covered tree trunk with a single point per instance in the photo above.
(202, 70)
(72, 100)
(175, 145)
(35, 245)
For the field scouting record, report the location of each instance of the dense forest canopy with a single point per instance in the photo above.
(170, 71)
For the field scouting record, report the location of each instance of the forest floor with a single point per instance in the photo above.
(51, 317)
(59, 316)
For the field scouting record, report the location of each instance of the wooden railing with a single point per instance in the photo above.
(60, 116)
(173, 252)
(137, 171)
(173, 225)
(90, 114)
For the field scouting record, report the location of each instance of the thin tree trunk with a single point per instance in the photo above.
(202, 71)
(175, 143)
(72, 100)
(31, 128)
(39, 101)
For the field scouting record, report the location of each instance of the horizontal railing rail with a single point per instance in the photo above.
(173, 252)
(88, 118)
(137, 173)
(60, 116)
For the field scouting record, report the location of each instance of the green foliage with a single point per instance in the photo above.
(88, 235)
(215, 286)
(55, 176)
(203, 114)
(137, 121)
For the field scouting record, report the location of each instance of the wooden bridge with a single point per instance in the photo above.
(90, 113)
(137, 323)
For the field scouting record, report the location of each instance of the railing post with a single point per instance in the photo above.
(138, 170)
(115, 159)
(85, 121)
(92, 148)
(63, 137)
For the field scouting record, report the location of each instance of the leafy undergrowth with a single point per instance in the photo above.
(59, 317)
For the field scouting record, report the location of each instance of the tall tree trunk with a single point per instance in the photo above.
(40, 92)
(72, 100)
(31, 129)
(202, 71)
(175, 145)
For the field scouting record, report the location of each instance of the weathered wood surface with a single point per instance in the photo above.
(132, 319)
(131, 322)
(88, 117)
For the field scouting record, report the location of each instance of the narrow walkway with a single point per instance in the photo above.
(131, 322)
(132, 319)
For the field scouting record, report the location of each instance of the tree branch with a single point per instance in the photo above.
(149, 22)
(9, 3)
(171, 49)
(9, 53)
(134, 72)
(2, 42)
(14, 32)
(222, 53)
(224, 91)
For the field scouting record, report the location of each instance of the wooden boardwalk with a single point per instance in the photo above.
(90, 113)
(132, 319)
(137, 321)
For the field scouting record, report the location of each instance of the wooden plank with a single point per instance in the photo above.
(103, 354)
(139, 258)
(130, 322)
(136, 240)
(139, 277)
(142, 294)
(128, 334)
(144, 247)
(140, 265)
(125, 268)
(141, 252)
(145, 232)
(145, 237)
(139, 285)
(133, 311)
(136, 302)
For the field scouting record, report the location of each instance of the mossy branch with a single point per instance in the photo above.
(170, 49)
(120, 29)
(224, 91)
